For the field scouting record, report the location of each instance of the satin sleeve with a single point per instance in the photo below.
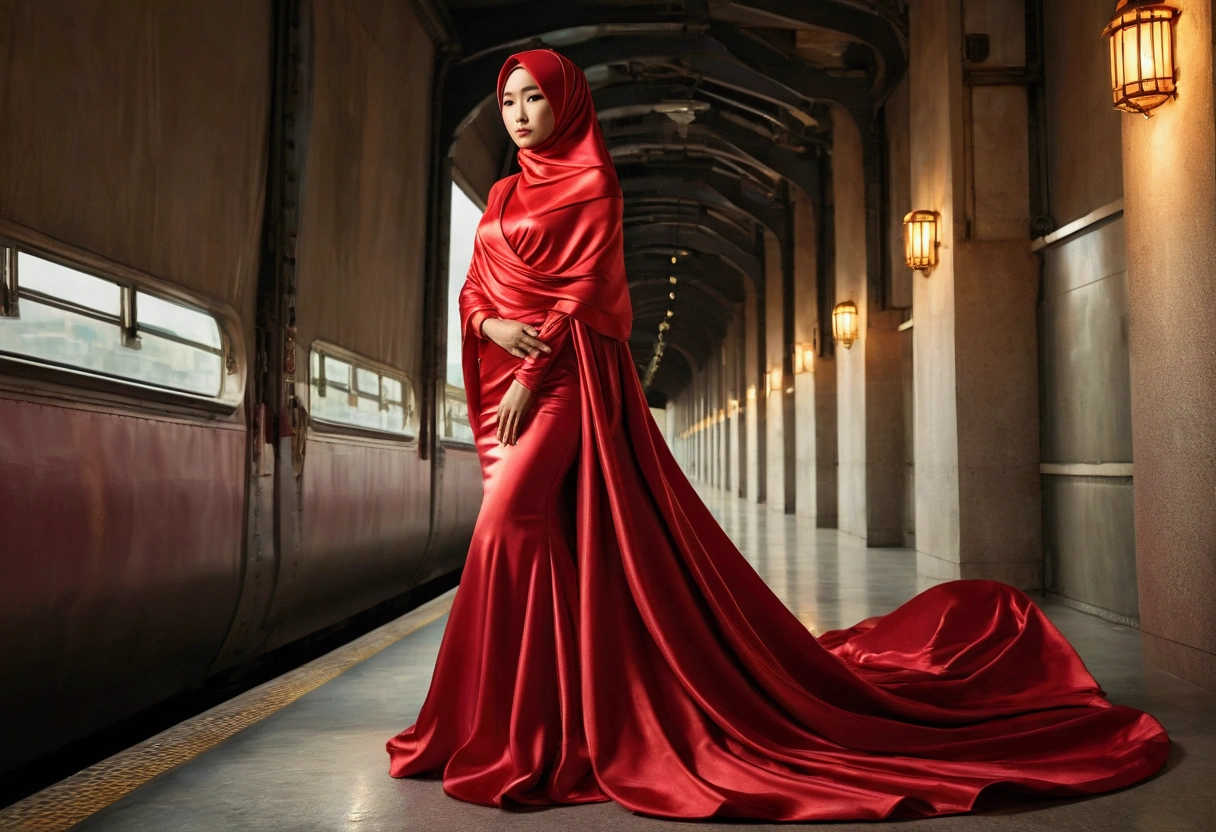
(555, 331)
(478, 318)
(475, 306)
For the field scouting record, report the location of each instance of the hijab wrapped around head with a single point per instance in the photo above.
(574, 259)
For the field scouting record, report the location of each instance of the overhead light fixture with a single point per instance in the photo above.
(921, 240)
(845, 323)
(1142, 71)
(683, 111)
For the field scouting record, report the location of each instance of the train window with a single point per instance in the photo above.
(70, 318)
(462, 228)
(347, 390)
(173, 320)
(55, 281)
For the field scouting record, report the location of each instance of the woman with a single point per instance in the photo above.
(608, 641)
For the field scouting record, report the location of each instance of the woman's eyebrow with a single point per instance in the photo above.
(525, 89)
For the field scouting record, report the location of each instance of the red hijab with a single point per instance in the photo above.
(574, 260)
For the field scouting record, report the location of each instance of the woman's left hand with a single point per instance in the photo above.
(511, 412)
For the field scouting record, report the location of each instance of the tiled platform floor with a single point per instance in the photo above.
(320, 764)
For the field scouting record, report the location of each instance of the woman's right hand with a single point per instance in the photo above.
(516, 337)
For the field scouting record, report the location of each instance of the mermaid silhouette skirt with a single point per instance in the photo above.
(608, 641)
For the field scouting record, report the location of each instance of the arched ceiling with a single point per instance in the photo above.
(714, 111)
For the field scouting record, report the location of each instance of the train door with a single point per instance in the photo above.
(339, 482)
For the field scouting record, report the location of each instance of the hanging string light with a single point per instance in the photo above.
(660, 344)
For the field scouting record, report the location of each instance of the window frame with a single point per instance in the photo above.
(456, 180)
(413, 414)
(68, 381)
(452, 441)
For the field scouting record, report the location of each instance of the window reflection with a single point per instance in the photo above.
(73, 319)
(174, 319)
(345, 393)
(56, 281)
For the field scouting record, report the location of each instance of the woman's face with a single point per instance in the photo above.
(525, 110)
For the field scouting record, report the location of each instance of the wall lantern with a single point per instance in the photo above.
(844, 324)
(804, 358)
(921, 240)
(1141, 37)
(751, 392)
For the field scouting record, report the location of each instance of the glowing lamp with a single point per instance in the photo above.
(1141, 38)
(804, 358)
(844, 323)
(921, 240)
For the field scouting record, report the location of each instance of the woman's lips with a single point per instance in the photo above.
(523, 131)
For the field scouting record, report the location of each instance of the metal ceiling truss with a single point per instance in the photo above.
(705, 186)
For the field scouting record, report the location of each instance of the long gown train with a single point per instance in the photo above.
(609, 641)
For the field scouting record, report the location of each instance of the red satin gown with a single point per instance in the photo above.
(608, 641)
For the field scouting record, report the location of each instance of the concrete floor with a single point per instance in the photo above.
(320, 764)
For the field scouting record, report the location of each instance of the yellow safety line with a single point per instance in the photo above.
(75, 798)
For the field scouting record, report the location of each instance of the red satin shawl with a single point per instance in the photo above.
(569, 254)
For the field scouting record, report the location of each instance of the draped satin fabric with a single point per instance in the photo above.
(609, 642)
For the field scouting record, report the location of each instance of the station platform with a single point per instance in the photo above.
(306, 751)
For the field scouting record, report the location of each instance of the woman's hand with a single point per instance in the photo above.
(516, 337)
(512, 410)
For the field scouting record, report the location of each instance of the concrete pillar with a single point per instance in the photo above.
(722, 425)
(827, 475)
(886, 463)
(711, 439)
(806, 316)
(774, 354)
(1169, 181)
(737, 414)
(978, 510)
(870, 426)
(755, 492)
(848, 191)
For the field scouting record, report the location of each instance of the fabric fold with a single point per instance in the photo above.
(609, 641)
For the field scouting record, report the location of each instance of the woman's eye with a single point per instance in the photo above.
(536, 98)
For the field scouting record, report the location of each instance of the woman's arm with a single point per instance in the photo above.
(517, 401)
(555, 331)
(478, 318)
(475, 306)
